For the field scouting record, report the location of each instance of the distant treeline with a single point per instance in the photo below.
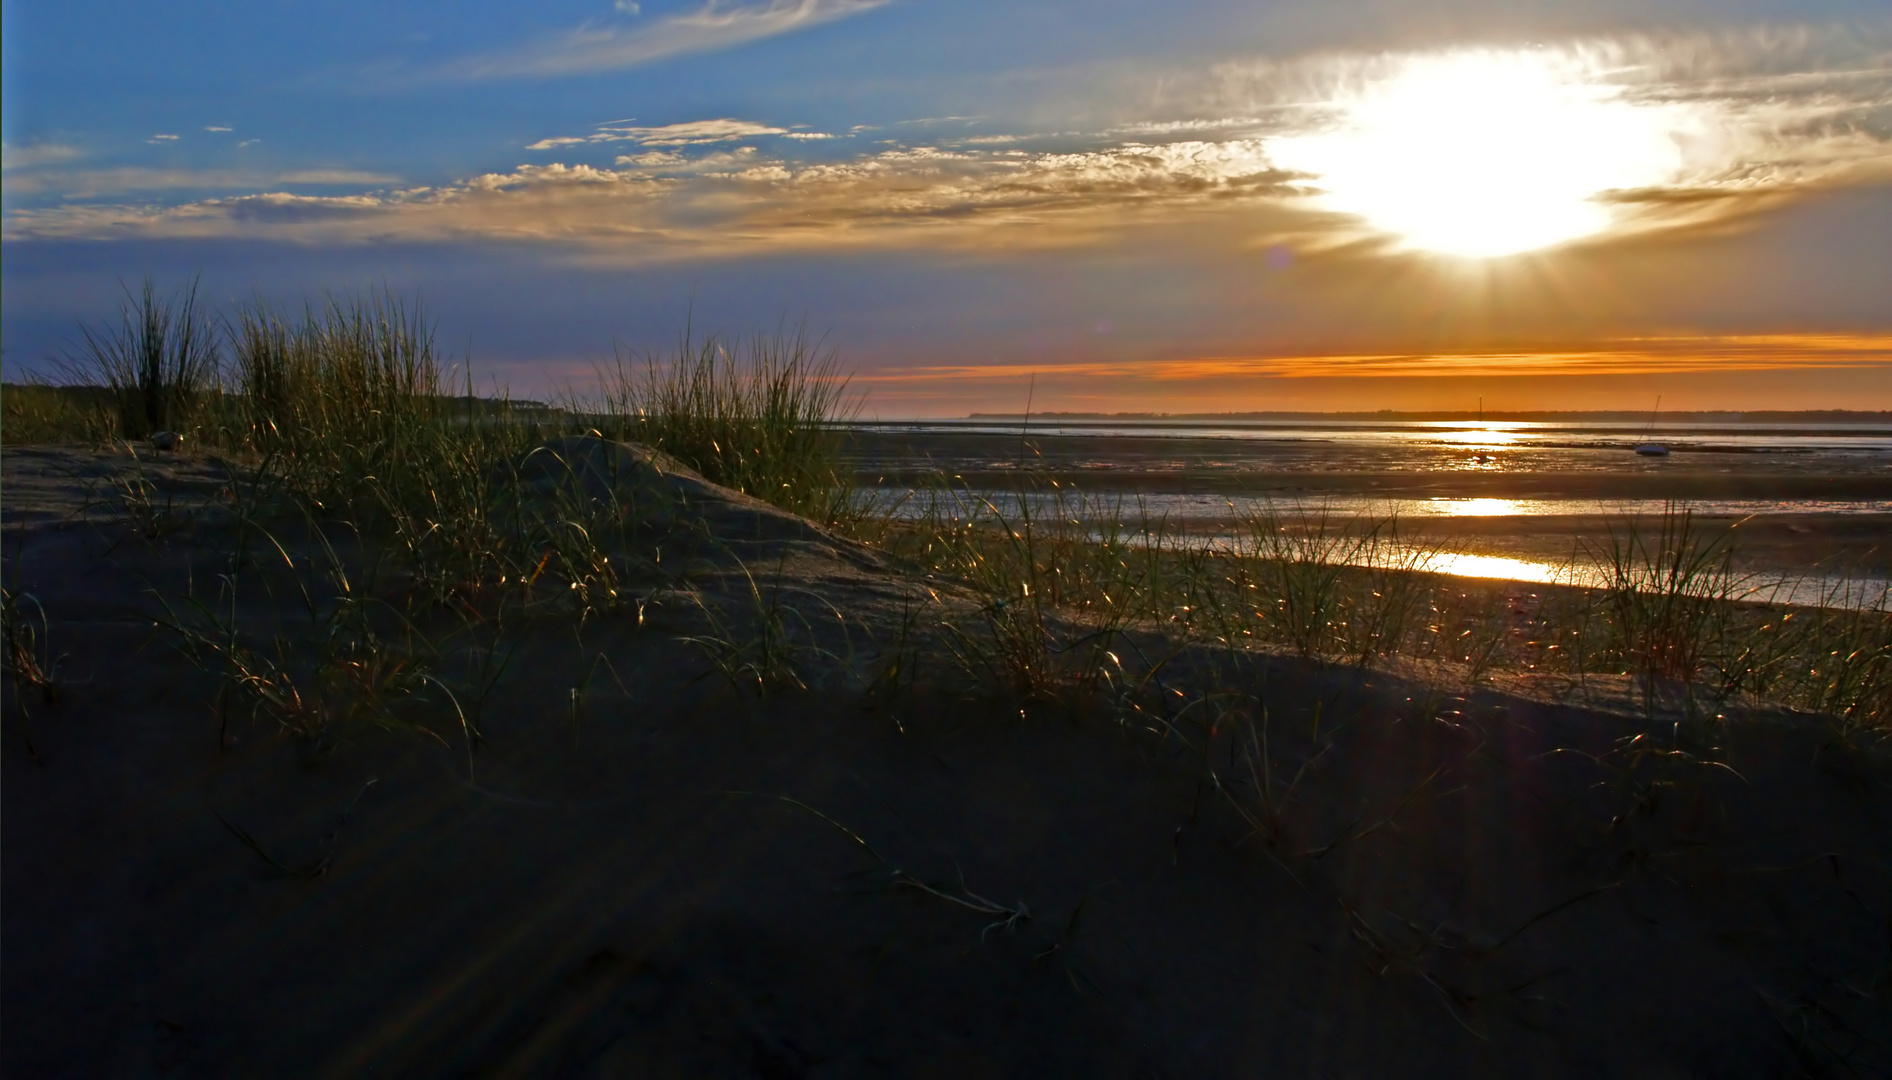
(1758, 416)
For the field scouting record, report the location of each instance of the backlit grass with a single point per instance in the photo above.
(347, 430)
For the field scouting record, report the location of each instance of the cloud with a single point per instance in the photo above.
(1619, 356)
(216, 127)
(335, 177)
(36, 156)
(653, 159)
(1626, 356)
(716, 25)
(93, 183)
(299, 209)
(1146, 128)
(690, 133)
(1747, 133)
(162, 139)
(665, 202)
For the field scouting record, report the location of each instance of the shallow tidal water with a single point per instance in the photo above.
(1532, 502)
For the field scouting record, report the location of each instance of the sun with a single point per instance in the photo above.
(1482, 153)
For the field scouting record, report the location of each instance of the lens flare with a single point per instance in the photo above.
(1486, 153)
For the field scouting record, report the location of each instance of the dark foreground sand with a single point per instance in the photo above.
(1462, 882)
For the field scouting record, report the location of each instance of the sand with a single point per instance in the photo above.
(1778, 536)
(643, 870)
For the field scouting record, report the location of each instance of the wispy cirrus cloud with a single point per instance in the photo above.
(37, 155)
(91, 183)
(715, 25)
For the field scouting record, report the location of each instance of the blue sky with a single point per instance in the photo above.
(1128, 205)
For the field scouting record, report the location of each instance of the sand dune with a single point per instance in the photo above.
(607, 855)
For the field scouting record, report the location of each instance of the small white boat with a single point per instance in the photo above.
(1652, 449)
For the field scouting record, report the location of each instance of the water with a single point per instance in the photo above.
(1140, 522)
(1533, 458)
(1859, 593)
(1187, 508)
(1507, 500)
(1458, 434)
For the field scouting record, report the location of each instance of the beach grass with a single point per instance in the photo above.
(758, 415)
(38, 412)
(159, 360)
(342, 419)
(1068, 575)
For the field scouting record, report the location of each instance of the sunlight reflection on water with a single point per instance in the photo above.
(1808, 590)
(1475, 507)
(1167, 513)
(1459, 564)
(1180, 507)
(1494, 436)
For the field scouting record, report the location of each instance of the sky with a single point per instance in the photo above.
(1196, 206)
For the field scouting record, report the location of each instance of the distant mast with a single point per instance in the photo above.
(1481, 458)
(1649, 447)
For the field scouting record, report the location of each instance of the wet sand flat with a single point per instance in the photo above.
(1799, 509)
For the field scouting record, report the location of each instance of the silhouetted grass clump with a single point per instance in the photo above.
(345, 378)
(160, 360)
(345, 408)
(758, 416)
(1669, 596)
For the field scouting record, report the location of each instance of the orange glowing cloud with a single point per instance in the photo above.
(1630, 356)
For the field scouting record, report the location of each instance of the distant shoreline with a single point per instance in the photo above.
(1759, 416)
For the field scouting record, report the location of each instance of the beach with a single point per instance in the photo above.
(870, 540)
(794, 806)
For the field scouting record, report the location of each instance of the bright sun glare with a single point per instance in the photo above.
(1485, 153)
